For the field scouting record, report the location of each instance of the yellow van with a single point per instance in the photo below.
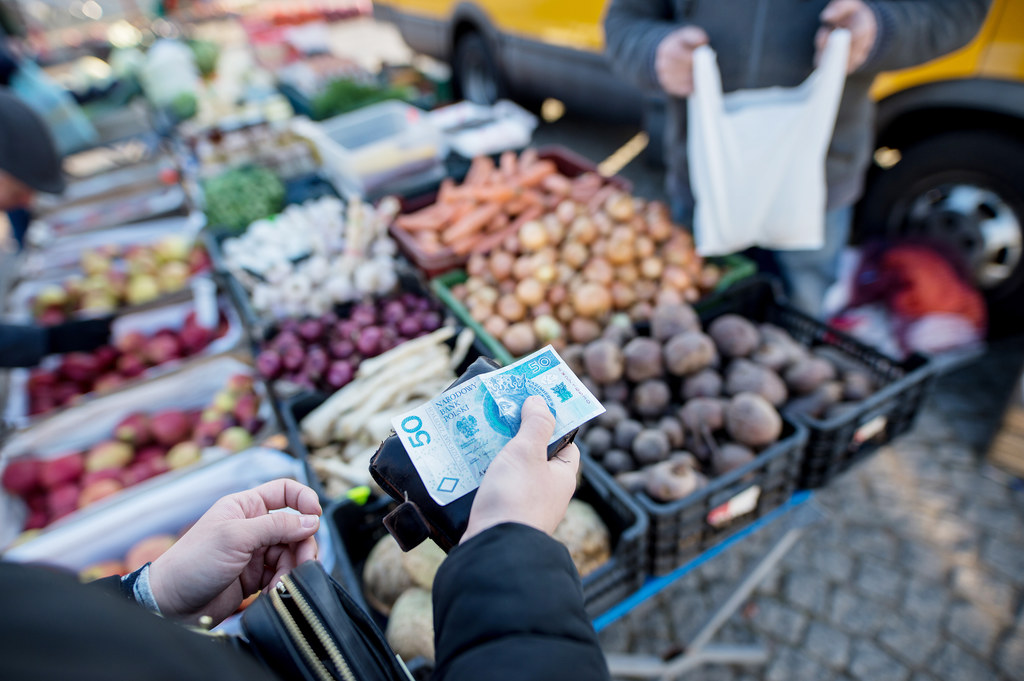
(950, 159)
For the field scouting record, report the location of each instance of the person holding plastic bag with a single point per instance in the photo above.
(758, 45)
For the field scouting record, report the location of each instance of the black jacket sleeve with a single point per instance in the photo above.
(911, 32)
(55, 628)
(22, 346)
(508, 606)
(633, 29)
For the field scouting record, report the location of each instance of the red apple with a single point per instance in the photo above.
(150, 452)
(21, 476)
(100, 489)
(131, 342)
(131, 366)
(62, 500)
(133, 429)
(80, 367)
(106, 356)
(108, 382)
(51, 316)
(162, 348)
(143, 470)
(61, 470)
(170, 427)
(37, 520)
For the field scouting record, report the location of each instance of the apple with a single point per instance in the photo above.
(110, 454)
(138, 471)
(101, 489)
(133, 429)
(106, 356)
(142, 288)
(130, 366)
(80, 367)
(94, 262)
(108, 382)
(240, 383)
(131, 342)
(173, 276)
(162, 348)
(102, 474)
(51, 316)
(173, 247)
(225, 401)
(62, 500)
(246, 407)
(36, 521)
(61, 470)
(22, 475)
(150, 452)
(51, 295)
(235, 439)
(195, 338)
(99, 301)
(183, 454)
(170, 427)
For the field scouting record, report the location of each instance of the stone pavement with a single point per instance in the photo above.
(917, 573)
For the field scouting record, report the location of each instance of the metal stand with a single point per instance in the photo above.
(799, 514)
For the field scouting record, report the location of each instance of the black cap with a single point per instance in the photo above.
(27, 149)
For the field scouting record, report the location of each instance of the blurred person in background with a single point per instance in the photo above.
(29, 163)
(762, 44)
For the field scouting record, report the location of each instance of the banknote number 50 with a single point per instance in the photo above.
(417, 436)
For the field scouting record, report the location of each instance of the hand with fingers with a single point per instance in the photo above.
(237, 548)
(856, 17)
(521, 484)
(673, 59)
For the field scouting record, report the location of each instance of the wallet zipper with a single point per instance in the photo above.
(287, 587)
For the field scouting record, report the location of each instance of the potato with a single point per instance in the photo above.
(734, 336)
(806, 375)
(586, 537)
(573, 356)
(583, 330)
(632, 481)
(519, 339)
(410, 629)
(422, 562)
(643, 359)
(625, 432)
(617, 392)
(857, 385)
(614, 412)
(620, 329)
(651, 397)
(688, 353)
(604, 361)
(816, 403)
(673, 429)
(703, 413)
(772, 355)
(673, 480)
(744, 376)
(598, 440)
(729, 457)
(616, 461)
(704, 383)
(651, 446)
(671, 320)
(384, 576)
(751, 420)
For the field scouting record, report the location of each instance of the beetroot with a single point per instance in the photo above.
(342, 348)
(339, 374)
(311, 330)
(268, 363)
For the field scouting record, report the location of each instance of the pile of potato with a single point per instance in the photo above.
(399, 584)
(687, 403)
(561, 276)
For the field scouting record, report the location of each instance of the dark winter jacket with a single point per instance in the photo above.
(22, 346)
(508, 606)
(761, 43)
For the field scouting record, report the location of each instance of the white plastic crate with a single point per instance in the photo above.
(365, 151)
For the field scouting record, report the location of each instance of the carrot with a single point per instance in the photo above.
(557, 184)
(470, 223)
(480, 169)
(497, 193)
(527, 159)
(430, 218)
(444, 193)
(535, 174)
(602, 194)
(508, 164)
(464, 245)
(499, 223)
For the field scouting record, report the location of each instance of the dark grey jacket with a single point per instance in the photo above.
(761, 43)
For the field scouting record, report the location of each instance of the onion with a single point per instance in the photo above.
(668, 296)
(644, 247)
(604, 224)
(523, 267)
(511, 244)
(599, 249)
(480, 312)
(556, 231)
(583, 230)
(546, 274)
(710, 276)
(532, 236)
(519, 339)
(575, 254)
(501, 265)
(627, 274)
(495, 325)
(623, 295)
(659, 229)
(645, 290)
(620, 206)
(477, 265)
(565, 313)
(506, 287)
(530, 292)
(547, 328)
(676, 277)
(599, 271)
(510, 308)
(542, 308)
(566, 212)
(592, 300)
(558, 294)
(584, 330)
(651, 268)
(641, 312)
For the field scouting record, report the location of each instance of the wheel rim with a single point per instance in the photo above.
(479, 85)
(978, 221)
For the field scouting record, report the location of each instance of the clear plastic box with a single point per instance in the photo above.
(386, 144)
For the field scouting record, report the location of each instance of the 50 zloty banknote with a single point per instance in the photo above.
(453, 438)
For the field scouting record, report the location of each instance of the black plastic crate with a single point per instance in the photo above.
(835, 444)
(683, 529)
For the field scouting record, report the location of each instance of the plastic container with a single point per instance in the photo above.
(685, 528)
(835, 444)
(367, 150)
(736, 268)
(568, 162)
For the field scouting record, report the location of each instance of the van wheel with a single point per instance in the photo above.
(475, 72)
(963, 188)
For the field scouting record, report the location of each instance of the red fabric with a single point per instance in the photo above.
(926, 283)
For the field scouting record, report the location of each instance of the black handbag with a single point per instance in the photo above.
(309, 629)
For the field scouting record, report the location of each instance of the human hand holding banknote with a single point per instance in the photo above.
(522, 485)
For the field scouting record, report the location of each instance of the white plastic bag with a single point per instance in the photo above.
(757, 157)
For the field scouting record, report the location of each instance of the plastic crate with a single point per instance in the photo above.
(568, 163)
(835, 444)
(367, 150)
(680, 530)
(736, 268)
(360, 527)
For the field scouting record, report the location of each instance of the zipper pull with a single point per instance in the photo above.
(281, 588)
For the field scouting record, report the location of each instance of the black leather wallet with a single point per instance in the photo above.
(418, 516)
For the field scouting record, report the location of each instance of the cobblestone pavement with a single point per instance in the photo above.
(916, 574)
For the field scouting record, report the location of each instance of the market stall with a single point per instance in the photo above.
(288, 274)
